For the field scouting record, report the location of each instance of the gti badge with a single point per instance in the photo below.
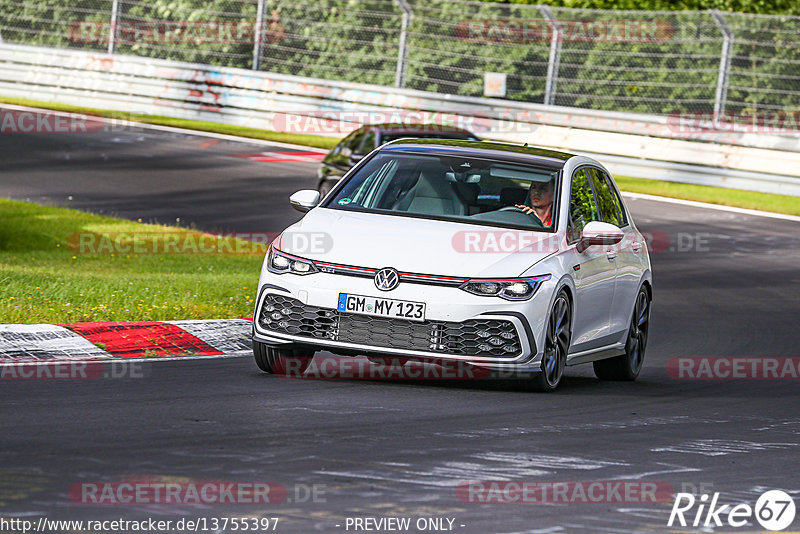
(387, 279)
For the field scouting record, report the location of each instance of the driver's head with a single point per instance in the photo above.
(541, 193)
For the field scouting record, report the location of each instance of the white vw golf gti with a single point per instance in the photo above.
(498, 256)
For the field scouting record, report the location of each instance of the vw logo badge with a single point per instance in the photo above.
(387, 279)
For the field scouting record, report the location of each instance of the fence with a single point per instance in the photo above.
(635, 61)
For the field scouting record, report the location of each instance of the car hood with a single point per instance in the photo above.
(415, 245)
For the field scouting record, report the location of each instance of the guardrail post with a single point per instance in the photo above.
(258, 42)
(724, 65)
(402, 50)
(113, 30)
(555, 56)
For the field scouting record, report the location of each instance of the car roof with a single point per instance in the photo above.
(487, 149)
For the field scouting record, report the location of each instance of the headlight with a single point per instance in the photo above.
(507, 288)
(280, 263)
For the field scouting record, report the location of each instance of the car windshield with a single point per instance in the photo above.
(453, 188)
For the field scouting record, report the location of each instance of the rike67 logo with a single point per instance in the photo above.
(774, 510)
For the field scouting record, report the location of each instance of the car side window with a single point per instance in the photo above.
(338, 148)
(367, 144)
(336, 154)
(607, 200)
(617, 201)
(582, 206)
(355, 141)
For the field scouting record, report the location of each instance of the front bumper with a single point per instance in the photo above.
(300, 311)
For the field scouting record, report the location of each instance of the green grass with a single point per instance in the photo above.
(715, 195)
(46, 278)
(318, 141)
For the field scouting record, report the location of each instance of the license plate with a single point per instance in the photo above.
(380, 307)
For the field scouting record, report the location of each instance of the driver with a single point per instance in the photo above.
(540, 201)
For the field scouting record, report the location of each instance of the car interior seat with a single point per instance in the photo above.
(403, 183)
(510, 196)
(432, 196)
(468, 192)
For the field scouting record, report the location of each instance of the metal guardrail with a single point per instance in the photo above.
(648, 144)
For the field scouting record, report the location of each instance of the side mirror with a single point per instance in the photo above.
(346, 152)
(304, 200)
(599, 233)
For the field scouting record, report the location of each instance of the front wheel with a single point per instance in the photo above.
(557, 341)
(283, 362)
(627, 366)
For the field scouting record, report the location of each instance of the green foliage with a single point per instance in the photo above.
(765, 70)
(49, 22)
(674, 68)
(350, 40)
(650, 62)
(582, 209)
(769, 7)
(208, 31)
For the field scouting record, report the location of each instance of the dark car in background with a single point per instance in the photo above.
(361, 142)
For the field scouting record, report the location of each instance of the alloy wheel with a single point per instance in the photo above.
(557, 342)
(637, 335)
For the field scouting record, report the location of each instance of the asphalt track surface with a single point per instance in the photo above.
(726, 285)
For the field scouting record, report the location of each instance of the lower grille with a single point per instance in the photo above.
(493, 338)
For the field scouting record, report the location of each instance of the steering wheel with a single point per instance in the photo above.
(514, 215)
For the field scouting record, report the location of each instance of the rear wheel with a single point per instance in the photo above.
(627, 366)
(557, 341)
(291, 362)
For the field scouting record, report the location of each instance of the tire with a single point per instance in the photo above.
(281, 362)
(627, 366)
(558, 338)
